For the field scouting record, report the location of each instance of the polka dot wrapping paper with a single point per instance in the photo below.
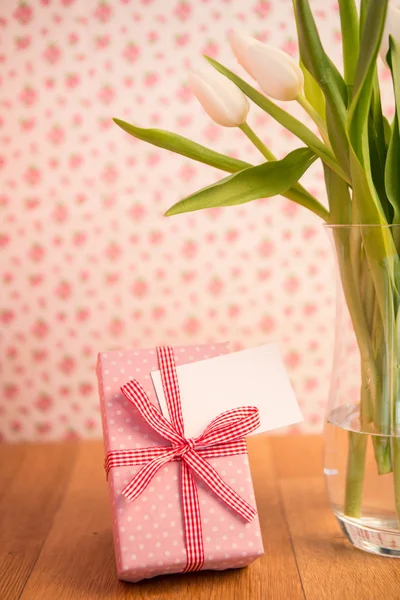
(148, 533)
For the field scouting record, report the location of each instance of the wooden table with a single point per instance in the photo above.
(56, 543)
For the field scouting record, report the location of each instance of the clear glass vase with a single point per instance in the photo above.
(362, 432)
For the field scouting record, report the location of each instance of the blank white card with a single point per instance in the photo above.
(254, 377)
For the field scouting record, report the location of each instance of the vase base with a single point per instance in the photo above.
(369, 538)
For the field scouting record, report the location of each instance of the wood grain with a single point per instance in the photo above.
(330, 567)
(77, 560)
(11, 458)
(27, 508)
(56, 542)
(297, 455)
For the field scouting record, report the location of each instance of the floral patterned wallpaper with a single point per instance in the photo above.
(88, 262)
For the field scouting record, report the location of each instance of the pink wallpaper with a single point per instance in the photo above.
(88, 262)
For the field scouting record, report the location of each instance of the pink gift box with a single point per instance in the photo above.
(148, 533)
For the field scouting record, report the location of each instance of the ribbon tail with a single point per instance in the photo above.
(142, 479)
(214, 481)
(192, 521)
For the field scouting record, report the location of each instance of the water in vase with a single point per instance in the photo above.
(377, 528)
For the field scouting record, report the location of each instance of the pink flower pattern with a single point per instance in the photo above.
(89, 263)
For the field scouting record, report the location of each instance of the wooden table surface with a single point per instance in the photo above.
(56, 541)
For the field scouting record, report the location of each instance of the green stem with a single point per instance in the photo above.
(396, 472)
(381, 443)
(387, 361)
(395, 448)
(355, 245)
(297, 193)
(259, 144)
(383, 264)
(300, 196)
(384, 393)
(350, 37)
(320, 123)
(395, 445)
(350, 271)
(355, 473)
(369, 410)
(353, 298)
(368, 406)
(368, 289)
(382, 448)
(367, 299)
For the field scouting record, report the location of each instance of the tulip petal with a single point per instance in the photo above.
(240, 44)
(274, 73)
(220, 98)
(278, 75)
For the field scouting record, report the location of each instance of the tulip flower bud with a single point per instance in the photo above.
(240, 43)
(220, 98)
(392, 27)
(277, 74)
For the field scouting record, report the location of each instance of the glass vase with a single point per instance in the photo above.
(362, 431)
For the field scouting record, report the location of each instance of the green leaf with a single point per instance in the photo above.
(350, 38)
(298, 193)
(312, 53)
(377, 118)
(364, 78)
(377, 156)
(394, 64)
(370, 208)
(328, 78)
(387, 130)
(181, 145)
(268, 179)
(338, 197)
(285, 119)
(364, 8)
(378, 147)
(392, 178)
(378, 241)
(312, 92)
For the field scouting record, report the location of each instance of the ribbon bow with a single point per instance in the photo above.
(224, 436)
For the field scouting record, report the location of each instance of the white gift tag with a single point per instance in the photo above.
(254, 377)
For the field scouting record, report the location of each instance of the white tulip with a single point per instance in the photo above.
(224, 102)
(277, 74)
(392, 27)
(240, 43)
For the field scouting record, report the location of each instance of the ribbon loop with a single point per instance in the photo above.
(224, 436)
(234, 424)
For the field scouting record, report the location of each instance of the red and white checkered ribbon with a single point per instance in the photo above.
(224, 436)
